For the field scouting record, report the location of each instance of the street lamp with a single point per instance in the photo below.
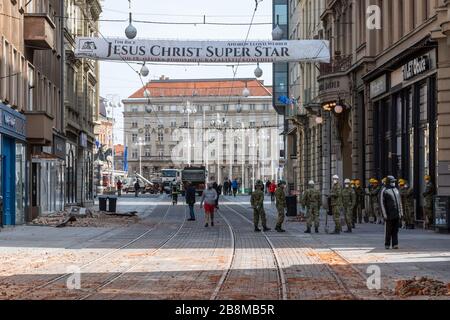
(188, 110)
(144, 70)
(130, 31)
(258, 71)
(277, 33)
(140, 144)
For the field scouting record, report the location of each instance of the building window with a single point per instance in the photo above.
(147, 152)
(252, 124)
(134, 154)
(160, 135)
(134, 109)
(226, 107)
(147, 137)
(161, 154)
(173, 124)
(252, 107)
(134, 124)
(134, 137)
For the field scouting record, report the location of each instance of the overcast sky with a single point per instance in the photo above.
(119, 79)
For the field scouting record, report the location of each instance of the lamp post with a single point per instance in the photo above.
(140, 144)
(188, 110)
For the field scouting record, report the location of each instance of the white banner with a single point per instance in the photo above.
(203, 51)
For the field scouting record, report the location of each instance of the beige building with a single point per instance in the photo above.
(204, 122)
(81, 102)
(31, 112)
(384, 100)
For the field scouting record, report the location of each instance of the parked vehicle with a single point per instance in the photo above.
(197, 176)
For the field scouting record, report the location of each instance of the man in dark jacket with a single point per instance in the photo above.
(225, 187)
(137, 188)
(190, 200)
(391, 207)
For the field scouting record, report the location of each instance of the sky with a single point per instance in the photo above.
(119, 81)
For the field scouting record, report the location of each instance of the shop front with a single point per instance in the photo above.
(47, 183)
(12, 166)
(404, 122)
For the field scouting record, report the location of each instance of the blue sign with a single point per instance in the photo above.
(12, 123)
(125, 159)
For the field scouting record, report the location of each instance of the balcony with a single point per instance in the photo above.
(339, 64)
(39, 128)
(39, 31)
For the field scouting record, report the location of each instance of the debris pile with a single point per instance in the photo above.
(421, 286)
(85, 218)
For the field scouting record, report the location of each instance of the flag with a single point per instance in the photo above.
(125, 160)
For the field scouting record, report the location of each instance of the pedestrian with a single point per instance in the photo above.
(175, 192)
(348, 203)
(336, 204)
(119, 187)
(391, 207)
(218, 189)
(190, 200)
(428, 196)
(137, 188)
(208, 202)
(225, 187)
(268, 183)
(374, 196)
(359, 205)
(230, 192)
(235, 187)
(272, 189)
(280, 196)
(312, 200)
(257, 202)
(407, 195)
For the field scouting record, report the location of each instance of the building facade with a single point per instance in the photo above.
(383, 101)
(81, 103)
(179, 123)
(31, 126)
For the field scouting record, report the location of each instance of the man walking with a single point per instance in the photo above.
(225, 187)
(391, 207)
(336, 204)
(235, 187)
(137, 188)
(348, 201)
(119, 187)
(272, 190)
(280, 197)
(209, 198)
(312, 200)
(257, 202)
(190, 200)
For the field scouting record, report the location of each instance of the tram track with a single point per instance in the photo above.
(96, 260)
(282, 285)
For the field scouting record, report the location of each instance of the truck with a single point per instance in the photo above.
(168, 176)
(197, 176)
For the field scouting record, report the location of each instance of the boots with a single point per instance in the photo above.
(317, 229)
(349, 230)
(308, 230)
(257, 229)
(279, 229)
(266, 229)
(336, 231)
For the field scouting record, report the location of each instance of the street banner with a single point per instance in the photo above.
(203, 51)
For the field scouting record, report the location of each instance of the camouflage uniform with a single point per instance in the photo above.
(336, 205)
(349, 201)
(312, 201)
(374, 192)
(257, 202)
(428, 204)
(407, 194)
(281, 205)
(358, 213)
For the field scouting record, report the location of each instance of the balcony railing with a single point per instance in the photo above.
(338, 64)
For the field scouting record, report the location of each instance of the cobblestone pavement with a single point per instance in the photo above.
(166, 257)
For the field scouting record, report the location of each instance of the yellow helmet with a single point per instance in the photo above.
(401, 182)
(427, 178)
(385, 180)
(373, 181)
(357, 182)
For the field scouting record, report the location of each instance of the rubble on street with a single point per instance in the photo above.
(421, 286)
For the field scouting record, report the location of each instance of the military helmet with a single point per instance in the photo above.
(347, 181)
(335, 177)
(282, 183)
(311, 183)
(259, 183)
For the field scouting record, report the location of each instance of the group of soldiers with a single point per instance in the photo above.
(350, 200)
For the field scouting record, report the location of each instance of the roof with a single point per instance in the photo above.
(203, 88)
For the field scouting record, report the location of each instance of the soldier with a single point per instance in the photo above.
(349, 201)
(257, 202)
(374, 192)
(407, 195)
(280, 197)
(358, 211)
(312, 201)
(428, 202)
(336, 204)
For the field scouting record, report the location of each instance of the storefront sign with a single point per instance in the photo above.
(378, 86)
(441, 211)
(203, 51)
(12, 123)
(416, 67)
(59, 147)
(83, 140)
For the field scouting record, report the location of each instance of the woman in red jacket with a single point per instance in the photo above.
(272, 189)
